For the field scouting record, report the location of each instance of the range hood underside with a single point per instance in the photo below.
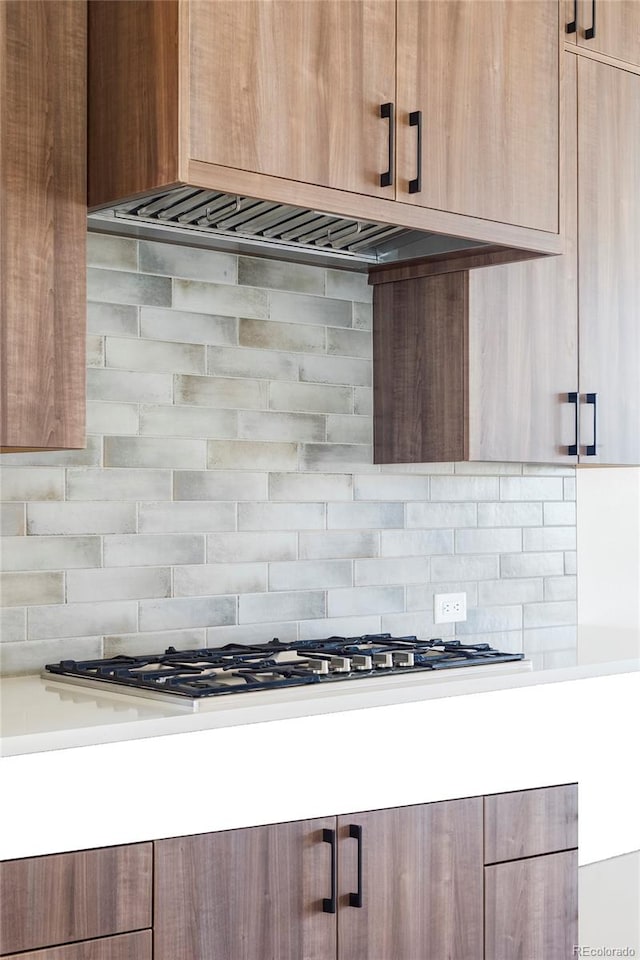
(205, 218)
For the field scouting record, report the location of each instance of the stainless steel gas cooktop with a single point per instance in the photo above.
(236, 668)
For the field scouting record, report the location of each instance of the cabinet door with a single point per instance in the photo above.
(421, 883)
(531, 908)
(294, 89)
(486, 78)
(609, 259)
(130, 946)
(252, 894)
(615, 25)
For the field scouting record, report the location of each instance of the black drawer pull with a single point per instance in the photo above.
(355, 832)
(387, 112)
(572, 449)
(415, 120)
(329, 903)
(592, 398)
(573, 26)
(590, 32)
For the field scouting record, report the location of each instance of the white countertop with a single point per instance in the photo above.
(139, 775)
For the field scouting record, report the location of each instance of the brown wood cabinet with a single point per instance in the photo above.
(129, 946)
(283, 101)
(45, 901)
(609, 27)
(528, 823)
(501, 363)
(42, 224)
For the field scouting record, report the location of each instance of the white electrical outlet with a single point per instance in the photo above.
(449, 607)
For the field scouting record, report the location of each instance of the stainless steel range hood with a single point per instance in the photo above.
(196, 217)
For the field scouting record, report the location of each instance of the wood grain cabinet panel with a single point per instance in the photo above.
(531, 908)
(485, 77)
(530, 822)
(421, 883)
(130, 946)
(42, 224)
(617, 28)
(252, 894)
(74, 896)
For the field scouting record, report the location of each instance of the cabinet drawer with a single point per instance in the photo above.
(530, 822)
(45, 901)
(129, 946)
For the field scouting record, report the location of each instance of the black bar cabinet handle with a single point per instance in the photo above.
(355, 832)
(572, 449)
(329, 903)
(387, 112)
(590, 32)
(573, 26)
(592, 398)
(415, 120)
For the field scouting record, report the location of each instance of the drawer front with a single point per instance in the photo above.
(129, 946)
(45, 901)
(530, 822)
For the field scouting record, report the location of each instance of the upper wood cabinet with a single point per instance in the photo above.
(304, 103)
(43, 224)
(609, 27)
(483, 81)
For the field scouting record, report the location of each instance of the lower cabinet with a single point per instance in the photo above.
(484, 878)
(130, 946)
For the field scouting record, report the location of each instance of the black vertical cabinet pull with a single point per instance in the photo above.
(387, 112)
(573, 26)
(572, 449)
(355, 832)
(415, 120)
(592, 398)
(329, 903)
(590, 32)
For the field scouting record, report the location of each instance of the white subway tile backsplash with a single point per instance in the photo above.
(83, 619)
(153, 356)
(198, 516)
(270, 335)
(69, 519)
(320, 546)
(151, 550)
(297, 308)
(251, 455)
(265, 607)
(29, 589)
(216, 298)
(113, 286)
(151, 452)
(187, 612)
(363, 515)
(281, 275)
(31, 483)
(310, 574)
(281, 516)
(250, 547)
(12, 519)
(177, 421)
(116, 484)
(229, 393)
(396, 543)
(157, 323)
(171, 260)
(228, 492)
(219, 485)
(118, 583)
(219, 578)
(49, 553)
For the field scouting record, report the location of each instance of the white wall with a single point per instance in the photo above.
(608, 529)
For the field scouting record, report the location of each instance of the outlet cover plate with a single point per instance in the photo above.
(449, 607)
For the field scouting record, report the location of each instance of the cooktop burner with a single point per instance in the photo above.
(236, 668)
